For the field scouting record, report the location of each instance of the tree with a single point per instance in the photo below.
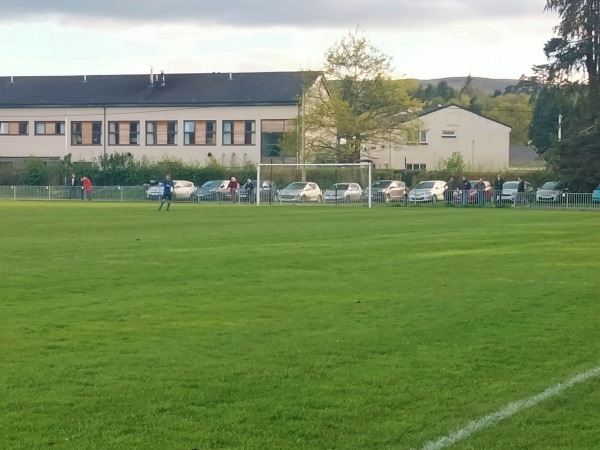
(455, 164)
(514, 110)
(577, 47)
(363, 105)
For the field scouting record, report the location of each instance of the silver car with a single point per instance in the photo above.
(342, 193)
(427, 191)
(301, 192)
(509, 193)
(552, 191)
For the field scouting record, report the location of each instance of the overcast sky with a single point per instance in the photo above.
(425, 38)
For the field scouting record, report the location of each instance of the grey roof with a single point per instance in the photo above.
(524, 157)
(194, 89)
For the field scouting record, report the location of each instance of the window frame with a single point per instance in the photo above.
(6, 126)
(95, 132)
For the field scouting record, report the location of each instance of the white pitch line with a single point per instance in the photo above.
(510, 409)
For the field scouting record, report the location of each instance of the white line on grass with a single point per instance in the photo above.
(510, 409)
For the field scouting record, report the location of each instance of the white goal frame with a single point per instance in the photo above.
(362, 164)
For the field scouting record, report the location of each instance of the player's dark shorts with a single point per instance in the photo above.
(168, 196)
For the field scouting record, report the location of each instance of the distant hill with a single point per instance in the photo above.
(487, 85)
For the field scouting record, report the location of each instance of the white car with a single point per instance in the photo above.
(301, 191)
(343, 192)
(182, 190)
(427, 191)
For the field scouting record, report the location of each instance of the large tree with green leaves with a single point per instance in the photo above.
(577, 46)
(363, 106)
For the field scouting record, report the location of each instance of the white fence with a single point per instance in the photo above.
(334, 198)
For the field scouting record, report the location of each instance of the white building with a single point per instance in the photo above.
(482, 142)
(230, 118)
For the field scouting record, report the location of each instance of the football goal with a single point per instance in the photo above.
(323, 184)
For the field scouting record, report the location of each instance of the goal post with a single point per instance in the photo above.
(360, 174)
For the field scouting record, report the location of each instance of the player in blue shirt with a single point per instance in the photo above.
(167, 195)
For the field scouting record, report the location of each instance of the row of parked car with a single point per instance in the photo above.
(382, 191)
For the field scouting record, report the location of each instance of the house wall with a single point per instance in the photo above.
(52, 146)
(483, 143)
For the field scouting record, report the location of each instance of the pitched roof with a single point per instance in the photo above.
(439, 108)
(194, 89)
(524, 157)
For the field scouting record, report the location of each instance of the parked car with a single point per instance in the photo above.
(342, 192)
(427, 191)
(268, 192)
(509, 192)
(552, 191)
(301, 191)
(386, 191)
(596, 195)
(182, 190)
(212, 191)
(489, 192)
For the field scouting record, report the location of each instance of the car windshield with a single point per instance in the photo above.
(211, 184)
(510, 185)
(296, 186)
(339, 187)
(475, 182)
(424, 185)
(380, 184)
(550, 185)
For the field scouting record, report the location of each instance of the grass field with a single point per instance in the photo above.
(236, 327)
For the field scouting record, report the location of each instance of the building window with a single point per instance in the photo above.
(86, 133)
(161, 132)
(416, 167)
(49, 128)
(123, 133)
(239, 132)
(199, 132)
(271, 134)
(422, 136)
(14, 128)
(249, 132)
(448, 133)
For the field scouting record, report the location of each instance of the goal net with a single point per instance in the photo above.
(317, 184)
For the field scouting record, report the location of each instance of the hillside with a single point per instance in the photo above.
(487, 85)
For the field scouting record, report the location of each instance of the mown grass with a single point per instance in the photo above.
(236, 327)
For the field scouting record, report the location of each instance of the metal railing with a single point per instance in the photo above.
(456, 200)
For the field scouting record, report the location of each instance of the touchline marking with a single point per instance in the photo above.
(510, 409)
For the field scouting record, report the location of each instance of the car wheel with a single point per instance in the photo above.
(434, 198)
(320, 199)
(303, 199)
(388, 198)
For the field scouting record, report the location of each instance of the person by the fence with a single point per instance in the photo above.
(449, 191)
(233, 187)
(249, 186)
(465, 187)
(480, 186)
(498, 183)
(86, 188)
(73, 186)
(167, 194)
(520, 197)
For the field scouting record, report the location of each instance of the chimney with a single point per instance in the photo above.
(12, 80)
(85, 78)
(151, 76)
(230, 76)
(162, 76)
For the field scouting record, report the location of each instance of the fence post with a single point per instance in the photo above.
(14, 189)
(121, 191)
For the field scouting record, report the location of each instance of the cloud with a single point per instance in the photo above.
(388, 14)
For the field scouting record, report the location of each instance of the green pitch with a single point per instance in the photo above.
(236, 327)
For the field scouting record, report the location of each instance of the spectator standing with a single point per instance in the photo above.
(86, 188)
(520, 198)
(73, 185)
(249, 186)
(480, 186)
(167, 194)
(498, 183)
(465, 187)
(449, 191)
(233, 187)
